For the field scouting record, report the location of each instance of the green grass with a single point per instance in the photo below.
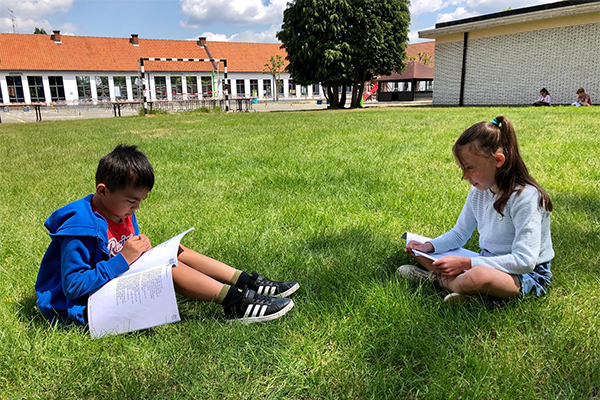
(322, 198)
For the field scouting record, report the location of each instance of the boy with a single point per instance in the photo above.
(96, 238)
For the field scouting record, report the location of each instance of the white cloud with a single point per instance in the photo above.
(459, 13)
(35, 9)
(24, 25)
(267, 36)
(68, 29)
(425, 6)
(233, 11)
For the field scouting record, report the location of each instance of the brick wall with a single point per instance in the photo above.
(511, 69)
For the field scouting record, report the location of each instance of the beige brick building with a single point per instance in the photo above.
(505, 58)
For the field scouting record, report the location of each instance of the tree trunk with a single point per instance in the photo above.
(342, 102)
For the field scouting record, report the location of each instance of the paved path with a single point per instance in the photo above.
(27, 114)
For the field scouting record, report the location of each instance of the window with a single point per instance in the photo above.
(160, 87)
(36, 89)
(15, 89)
(254, 87)
(206, 82)
(240, 87)
(424, 86)
(102, 88)
(84, 90)
(280, 86)
(136, 87)
(304, 90)
(177, 87)
(292, 87)
(57, 88)
(192, 87)
(120, 87)
(315, 89)
(267, 87)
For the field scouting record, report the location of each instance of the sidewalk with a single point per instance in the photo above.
(19, 115)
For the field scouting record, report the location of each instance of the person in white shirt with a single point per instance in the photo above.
(510, 210)
(543, 99)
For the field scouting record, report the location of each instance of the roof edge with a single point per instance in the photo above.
(526, 14)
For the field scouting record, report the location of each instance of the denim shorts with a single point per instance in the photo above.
(537, 280)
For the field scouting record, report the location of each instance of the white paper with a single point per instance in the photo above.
(140, 298)
(461, 252)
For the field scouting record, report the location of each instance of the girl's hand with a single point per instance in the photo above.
(426, 247)
(451, 265)
(134, 247)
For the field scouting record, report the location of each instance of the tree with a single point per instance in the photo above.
(423, 58)
(342, 43)
(39, 31)
(274, 67)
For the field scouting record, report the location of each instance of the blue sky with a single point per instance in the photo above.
(233, 20)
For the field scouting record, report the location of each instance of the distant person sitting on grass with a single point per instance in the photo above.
(510, 210)
(583, 99)
(543, 99)
(96, 238)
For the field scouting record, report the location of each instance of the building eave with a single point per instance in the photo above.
(498, 19)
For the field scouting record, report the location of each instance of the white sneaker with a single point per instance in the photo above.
(457, 298)
(415, 274)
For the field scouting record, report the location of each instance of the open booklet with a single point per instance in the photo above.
(141, 297)
(434, 256)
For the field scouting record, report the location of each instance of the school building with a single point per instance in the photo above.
(505, 58)
(61, 69)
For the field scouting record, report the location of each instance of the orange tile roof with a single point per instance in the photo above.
(85, 53)
(29, 52)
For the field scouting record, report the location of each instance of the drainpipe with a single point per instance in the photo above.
(462, 72)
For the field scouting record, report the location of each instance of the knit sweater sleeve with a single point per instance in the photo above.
(462, 230)
(526, 216)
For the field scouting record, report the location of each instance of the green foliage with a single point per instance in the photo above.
(322, 198)
(39, 31)
(343, 43)
(274, 67)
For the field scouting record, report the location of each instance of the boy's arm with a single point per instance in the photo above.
(79, 276)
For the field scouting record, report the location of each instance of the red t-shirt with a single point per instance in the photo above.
(118, 232)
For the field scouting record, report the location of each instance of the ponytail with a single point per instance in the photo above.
(486, 139)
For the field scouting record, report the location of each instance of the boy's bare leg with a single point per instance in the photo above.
(194, 284)
(206, 265)
(484, 280)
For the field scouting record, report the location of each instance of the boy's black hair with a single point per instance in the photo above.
(125, 166)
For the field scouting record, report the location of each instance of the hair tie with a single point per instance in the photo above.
(495, 122)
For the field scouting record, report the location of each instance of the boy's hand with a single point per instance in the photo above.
(451, 265)
(134, 247)
(426, 247)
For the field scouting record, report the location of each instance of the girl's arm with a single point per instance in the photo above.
(462, 230)
(79, 277)
(525, 250)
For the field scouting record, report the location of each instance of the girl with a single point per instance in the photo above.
(543, 99)
(511, 212)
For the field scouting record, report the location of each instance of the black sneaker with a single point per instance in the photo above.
(270, 288)
(257, 308)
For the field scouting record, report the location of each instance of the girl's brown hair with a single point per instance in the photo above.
(487, 138)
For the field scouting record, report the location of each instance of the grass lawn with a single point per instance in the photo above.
(322, 198)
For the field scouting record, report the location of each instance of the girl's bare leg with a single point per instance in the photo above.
(484, 280)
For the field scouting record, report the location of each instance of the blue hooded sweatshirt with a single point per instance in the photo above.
(77, 261)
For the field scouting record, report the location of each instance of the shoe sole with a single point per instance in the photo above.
(278, 314)
(290, 291)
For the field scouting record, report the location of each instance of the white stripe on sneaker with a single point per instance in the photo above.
(273, 288)
(263, 311)
(248, 310)
(260, 289)
(256, 311)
